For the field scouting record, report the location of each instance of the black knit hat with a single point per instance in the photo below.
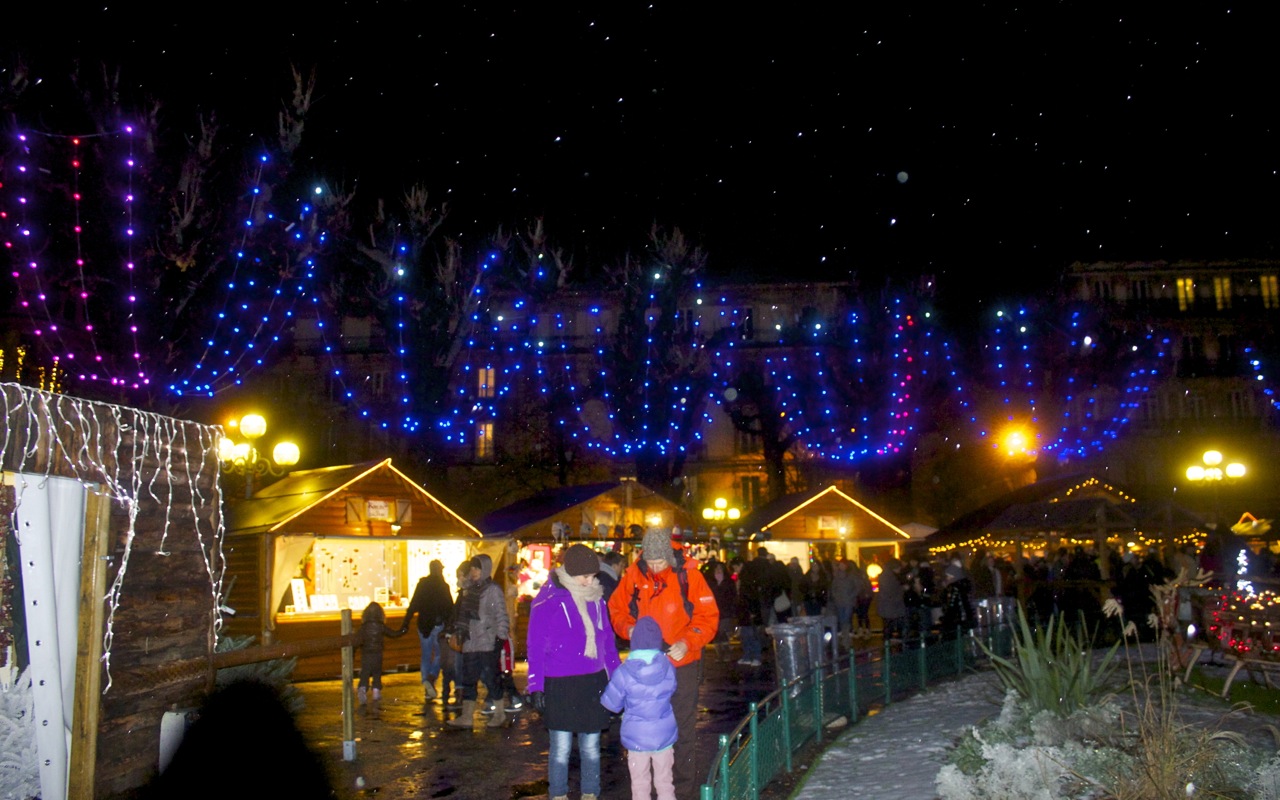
(581, 560)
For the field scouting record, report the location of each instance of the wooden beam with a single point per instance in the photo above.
(92, 615)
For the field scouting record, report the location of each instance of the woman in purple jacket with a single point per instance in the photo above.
(571, 653)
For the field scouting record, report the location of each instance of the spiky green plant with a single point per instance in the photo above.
(1053, 668)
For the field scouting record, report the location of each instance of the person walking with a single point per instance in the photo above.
(642, 688)
(892, 601)
(369, 640)
(725, 590)
(672, 590)
(433, 603)
(571, 656)
(483, 624)
(865, 593)
(844, 596)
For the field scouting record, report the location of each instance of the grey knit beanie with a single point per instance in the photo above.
(657, 544)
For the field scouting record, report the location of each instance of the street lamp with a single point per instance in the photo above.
(243, 457)
(1212, 473)
(720, 511)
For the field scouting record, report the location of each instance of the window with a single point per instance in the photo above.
(484, 382)
(1186, 293)
(1101, 290)
(745, 323)
(1139, 289)
(378, 384)
(1241, 404)
(1149, 408)
(1194, 406)
(1222, 292)
(749, 491)
(1270, 291)
(746, 444)
(484, 441)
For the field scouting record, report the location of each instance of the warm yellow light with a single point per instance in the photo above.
(721, 503)
(252, 426)
(734, 513)
(241, 451)
(874, 570)
(1015, 441)
(1195, 473)
(1212, 458)
(1235, 470)
(708, 513)
(226, 449)
(286, 454)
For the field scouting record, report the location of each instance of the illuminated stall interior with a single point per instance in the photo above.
(318, 541)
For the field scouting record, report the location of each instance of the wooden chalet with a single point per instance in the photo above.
(1078, 509)
(110, 585)
(320, 540)
(826, 522)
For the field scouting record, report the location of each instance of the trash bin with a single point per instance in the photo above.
(791, 651)
(821, 632)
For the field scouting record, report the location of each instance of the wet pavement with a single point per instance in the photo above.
(406, 750)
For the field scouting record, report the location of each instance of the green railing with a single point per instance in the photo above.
(787, 719)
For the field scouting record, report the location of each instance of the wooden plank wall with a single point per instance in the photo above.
(167, 607)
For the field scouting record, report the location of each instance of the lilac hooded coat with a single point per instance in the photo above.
(556, 637)
(642, 690)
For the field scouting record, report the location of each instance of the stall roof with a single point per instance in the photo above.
(1071, 504)
(533, 515)
(297, 492)
(775, 513)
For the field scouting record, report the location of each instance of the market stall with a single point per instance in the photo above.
(318, 541)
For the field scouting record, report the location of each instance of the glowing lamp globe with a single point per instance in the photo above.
(253, 426)
(285, 454)
(226, 449)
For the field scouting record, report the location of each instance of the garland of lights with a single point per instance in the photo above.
(96, 453)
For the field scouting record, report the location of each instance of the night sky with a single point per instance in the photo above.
(965, 140)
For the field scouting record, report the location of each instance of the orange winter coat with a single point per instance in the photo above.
(659, 596)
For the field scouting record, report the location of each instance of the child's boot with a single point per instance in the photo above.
(360, 695)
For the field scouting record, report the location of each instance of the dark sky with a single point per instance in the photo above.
(805, 140)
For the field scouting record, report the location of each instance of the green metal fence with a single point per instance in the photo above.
(777, 726)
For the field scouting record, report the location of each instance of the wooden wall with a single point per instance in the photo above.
(163, 554)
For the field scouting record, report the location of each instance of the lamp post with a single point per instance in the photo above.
(1211, 472)
(243, 457)
(720, 510)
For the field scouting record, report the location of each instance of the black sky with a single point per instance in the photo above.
(1028, 136)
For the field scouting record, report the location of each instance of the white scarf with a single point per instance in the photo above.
(581, 596)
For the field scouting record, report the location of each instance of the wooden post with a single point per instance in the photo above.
(88, 688)
(348, 696)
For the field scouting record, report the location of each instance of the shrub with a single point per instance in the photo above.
(1053, 667)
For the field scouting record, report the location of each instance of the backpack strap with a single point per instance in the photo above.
(682, 579)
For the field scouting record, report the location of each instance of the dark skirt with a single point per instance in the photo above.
(573, 703)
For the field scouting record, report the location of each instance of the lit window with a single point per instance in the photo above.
(1222, 292)
(1186, 293)
(484, 441)
(1270, 291)
(484, 382)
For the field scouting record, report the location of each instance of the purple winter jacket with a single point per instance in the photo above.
(642, 690)
(556, 637)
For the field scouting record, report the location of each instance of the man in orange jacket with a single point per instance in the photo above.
(685, 609)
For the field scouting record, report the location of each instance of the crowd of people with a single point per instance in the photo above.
(660, 606)
(663, 608)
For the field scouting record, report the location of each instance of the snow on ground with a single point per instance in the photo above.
(897, 753)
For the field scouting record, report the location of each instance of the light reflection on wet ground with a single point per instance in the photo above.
(406, 750)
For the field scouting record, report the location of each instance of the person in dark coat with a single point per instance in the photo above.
(642, 688)
(433, 604)
(725, 589)
(369, 641)
(891, 600)
(571, 655)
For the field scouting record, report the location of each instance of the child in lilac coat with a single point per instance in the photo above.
(642, 687)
